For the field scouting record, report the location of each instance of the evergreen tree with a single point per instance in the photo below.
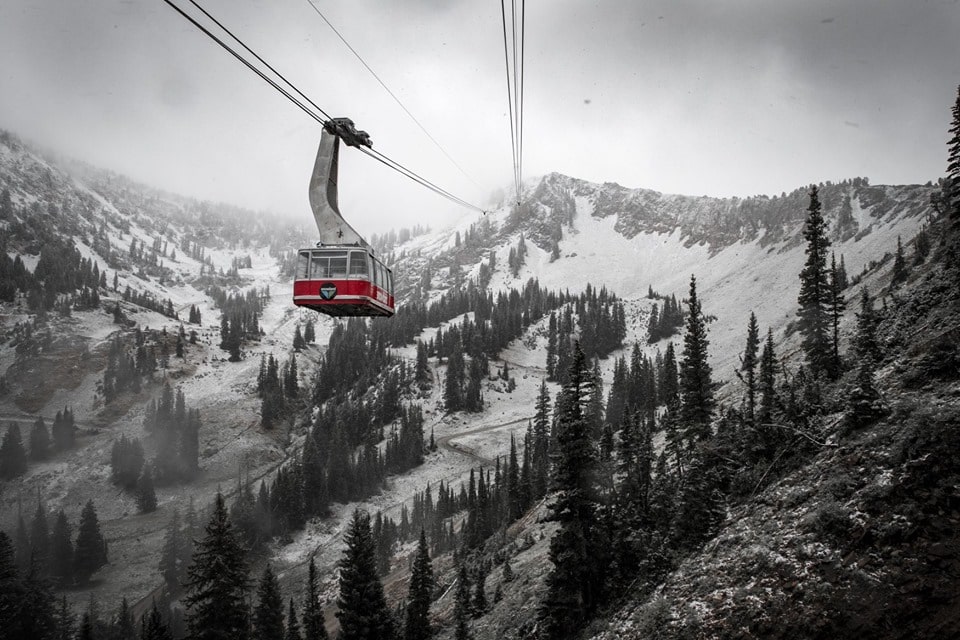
(836, 306)
(696, 386)
(64, 621)
(152, 626)
(146, 495)
(11, 588)
(61, 550)
(951, 186)
(21, 545)
(123, 627)
(461, 611)
(309, 333)
(864, 404)
(575, 584)
(453, 390)
(171, 564)
(749, 366)
(480, 592)
(217, 582)
(866, 348)
(899, 265)
(90, 551)
(13, 458)
(314, 627)
(541, 442)
(814, 298)
(293, 626)
(40, 443)
(40, 543)
(417, 625)
(299, 344)
(268, 614)
(363, 610)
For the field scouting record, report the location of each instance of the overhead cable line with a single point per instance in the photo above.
(513, 54)
(262, 61)
(387, 89)
(393, 164)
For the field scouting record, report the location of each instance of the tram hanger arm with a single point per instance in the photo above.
(323, 183)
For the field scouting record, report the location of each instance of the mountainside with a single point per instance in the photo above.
(108, 282)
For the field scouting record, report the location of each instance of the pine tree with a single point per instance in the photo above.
(836, 306)
(293, 626)
(899, 265)
(480, 592)
(461, 612)
(363, 610)
(146, 494)
(768, 392)
(299, 344)
(61, 550)
(696, 386)
(541, 442)
(40, 543)
(314, 626)
(123, 627)
(40, 443)
(814, 297)
(11, 587)
(577, 551)
(749, 366)
(417, 625)
(217, 582)
(171, 556)
(309, 333)
(90, 551)
(152, 626)
(866, 348)
(268, 614)
(64, 620)
(13, 458)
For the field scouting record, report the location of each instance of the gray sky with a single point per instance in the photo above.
(721, 97)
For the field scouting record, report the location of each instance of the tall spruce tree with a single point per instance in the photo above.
(217, 582)
(152, 626)
(696, 385)
(146, 494)
(40, 543)
(293, 625)
(363, 610)
(749, 367)
(461, 611)
(40, 442)
(61, 550)
(866, 348)
(814, 299)
(417, 626)
(90, 551)
(575, 584)
(314, 626)
(171, 555)
(13, 457)
(268, 614)
(836, 306)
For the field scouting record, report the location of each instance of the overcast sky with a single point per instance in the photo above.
(715, 97)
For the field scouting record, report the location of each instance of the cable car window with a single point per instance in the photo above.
(358, 263)
(390, 281)
(318, 266)
(381, 276)
(303, 265)
(338, 265)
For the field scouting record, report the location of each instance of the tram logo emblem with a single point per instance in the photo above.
(328, 291)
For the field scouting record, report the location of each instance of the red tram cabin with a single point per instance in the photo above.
(343, 281)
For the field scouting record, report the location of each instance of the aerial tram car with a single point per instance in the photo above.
(341, 276)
